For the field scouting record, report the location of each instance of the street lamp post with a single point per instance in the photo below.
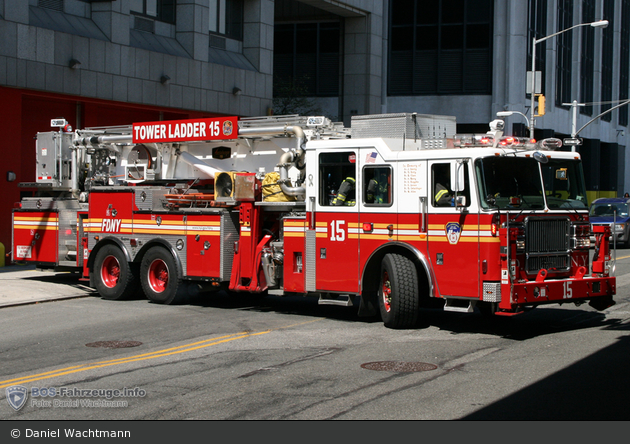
(535, 41)
(509, 113)
(624, 103)
(574, 105)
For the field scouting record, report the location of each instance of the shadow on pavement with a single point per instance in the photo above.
(537, 322)
(596, 388)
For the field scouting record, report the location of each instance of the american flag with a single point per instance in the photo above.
(371, 158)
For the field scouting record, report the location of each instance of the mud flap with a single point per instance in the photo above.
(367, 306)
(600, 304)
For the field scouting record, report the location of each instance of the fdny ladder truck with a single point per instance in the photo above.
(391, 214)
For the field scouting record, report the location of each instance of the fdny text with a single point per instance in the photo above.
(111, 225)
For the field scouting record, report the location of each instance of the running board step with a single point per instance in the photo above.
(460, 305)
(341, 300)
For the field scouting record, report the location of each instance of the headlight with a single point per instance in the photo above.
(619, 227)
(583, 243)
(581, 236)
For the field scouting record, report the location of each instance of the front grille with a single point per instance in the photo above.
(547, 244)
(537, 263)
(547, 235)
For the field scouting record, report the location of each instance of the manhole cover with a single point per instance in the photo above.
(395, 366)
(114, 344)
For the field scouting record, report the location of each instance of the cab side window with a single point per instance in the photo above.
(441, 180)
(442, 194)
(337, 176)
(377, 185)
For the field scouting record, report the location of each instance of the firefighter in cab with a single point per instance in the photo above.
(443, 196)
(377, 190)
(346, 193)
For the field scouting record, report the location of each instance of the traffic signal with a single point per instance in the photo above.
(541, 105)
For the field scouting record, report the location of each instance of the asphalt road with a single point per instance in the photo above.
(243, 358)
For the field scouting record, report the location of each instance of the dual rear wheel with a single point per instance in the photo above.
(117, 279)
(160, 277)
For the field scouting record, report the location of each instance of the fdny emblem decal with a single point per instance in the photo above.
(453, 232)
(227, 128)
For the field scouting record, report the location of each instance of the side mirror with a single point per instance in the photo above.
(540, 157)
(457, 176)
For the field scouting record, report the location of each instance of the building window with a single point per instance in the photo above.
(226, 18)
(624, 59)
(162, 10)
(306, 58)
(607, 59)
(564, 53)
(538, 29)
(440, 47)
(587, 57)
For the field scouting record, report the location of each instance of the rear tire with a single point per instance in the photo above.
(114, 277)
(160, 277)
(398, 292)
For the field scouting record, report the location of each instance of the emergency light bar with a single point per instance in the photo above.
(464, 140)
(517, 142)
(476, 140)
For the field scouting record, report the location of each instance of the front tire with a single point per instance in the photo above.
(114, 277)
(398, 292)
(160, 277)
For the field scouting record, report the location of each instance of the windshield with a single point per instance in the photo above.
(564, 184)
(516, 183)
(608, 209)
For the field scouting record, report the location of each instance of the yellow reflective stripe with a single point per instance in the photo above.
(440, 194)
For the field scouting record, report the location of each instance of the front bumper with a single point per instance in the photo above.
(595, 289)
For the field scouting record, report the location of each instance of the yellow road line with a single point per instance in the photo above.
(152, 355)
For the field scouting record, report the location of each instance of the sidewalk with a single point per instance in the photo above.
(23, 284)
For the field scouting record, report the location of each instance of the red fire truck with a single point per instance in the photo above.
(394, 212)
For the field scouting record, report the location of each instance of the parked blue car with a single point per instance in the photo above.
(609, 211)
